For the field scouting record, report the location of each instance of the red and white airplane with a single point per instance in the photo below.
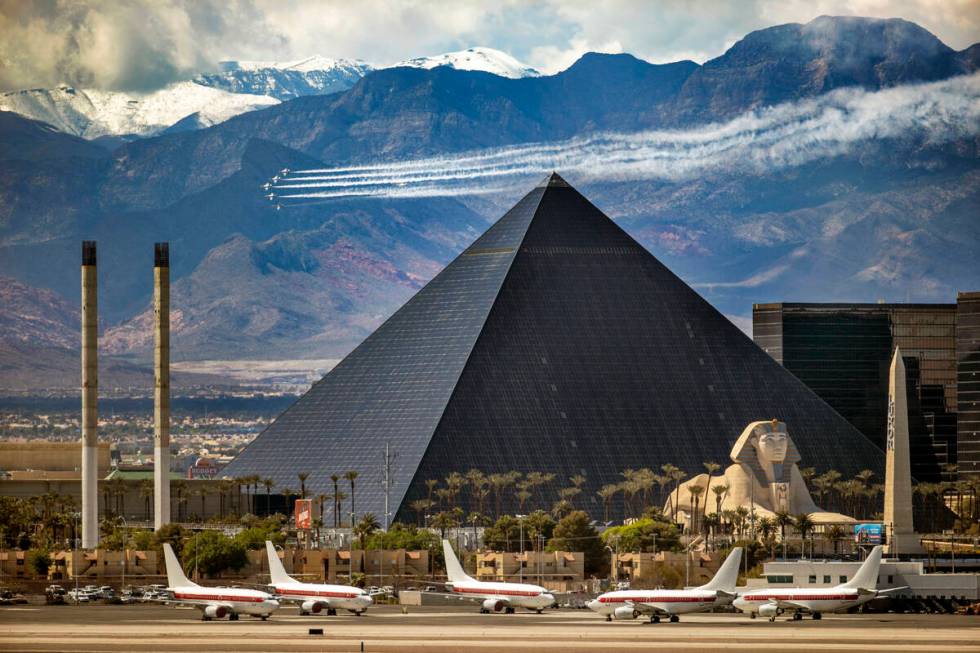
(496, 596)
(215, 602)
(630, 604)
(817, 600)
(313, 597)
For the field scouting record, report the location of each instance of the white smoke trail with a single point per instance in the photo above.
(757, 142)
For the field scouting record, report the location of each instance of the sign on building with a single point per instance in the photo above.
(869, 534)
(304, 513)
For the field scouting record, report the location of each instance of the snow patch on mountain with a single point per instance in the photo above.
(286, 80)
(483, 59)
(91, 113)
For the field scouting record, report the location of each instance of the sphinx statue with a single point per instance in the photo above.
(764, 478)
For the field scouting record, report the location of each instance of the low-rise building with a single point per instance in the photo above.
(558, 570)
(659, 569)
(893, 573)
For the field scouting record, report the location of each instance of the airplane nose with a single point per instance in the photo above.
(593, 604)
(272, 603)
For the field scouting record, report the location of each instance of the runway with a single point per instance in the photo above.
(386, 628)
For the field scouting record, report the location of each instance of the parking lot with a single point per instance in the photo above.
(147, 627)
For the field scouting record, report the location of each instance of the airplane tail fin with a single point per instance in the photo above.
(175, 573)
(277, 573)
(867, 574)
(453, 569)
(727, 575)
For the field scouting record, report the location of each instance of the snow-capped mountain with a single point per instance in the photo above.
(286, 80)
(484, 59)
(91, 113)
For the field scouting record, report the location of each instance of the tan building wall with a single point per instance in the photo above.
(333, 565)
(650, 566)
(551, 569)
(49, 456)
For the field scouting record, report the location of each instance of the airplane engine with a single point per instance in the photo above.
(625, 612)
(311, 606)
(215, 611)
(493, 605)
(769, 610)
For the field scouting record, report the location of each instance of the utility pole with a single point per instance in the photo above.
(386, 481)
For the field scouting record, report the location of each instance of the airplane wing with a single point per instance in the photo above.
(885, 592)
(789, 605)
(647, 608)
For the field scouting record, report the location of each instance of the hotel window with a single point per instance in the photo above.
(843, 579)
(826, 579)
(813, 579)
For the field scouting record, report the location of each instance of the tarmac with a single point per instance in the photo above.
(388, 629)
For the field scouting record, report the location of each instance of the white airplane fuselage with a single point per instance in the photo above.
(220, 601)
(793, 599)
(514, 595)
(314, 597)
(659, 601)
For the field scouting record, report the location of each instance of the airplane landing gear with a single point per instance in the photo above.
(233, 617)
(264, 617)
(655, 618)
(331, 612)
(205, 617)
(540, 611)
(817, 616)
(772, 619)
(608, 617)
(509, 610)
(752, 615)
(674, 618)
(797, 616)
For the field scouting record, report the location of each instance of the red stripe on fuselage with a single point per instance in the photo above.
(325, 594)
(658, 599)
(470, 590)
(800, 597)
(218, 597)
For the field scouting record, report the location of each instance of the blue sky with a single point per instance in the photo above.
(144, 44)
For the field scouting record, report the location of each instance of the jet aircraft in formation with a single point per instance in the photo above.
(494, 596)
(314, 597)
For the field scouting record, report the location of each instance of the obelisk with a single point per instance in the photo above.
(90, 397)
(899, 531)
(161, 385)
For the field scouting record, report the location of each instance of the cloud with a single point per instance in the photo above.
(757, 142)
(144, 44)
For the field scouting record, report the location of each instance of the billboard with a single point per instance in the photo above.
(304, 513)
(870, 534)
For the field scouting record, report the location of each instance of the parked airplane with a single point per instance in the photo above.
(314, 597)
(771, 602)
(630, 604)
(496, 596)
(215, 602)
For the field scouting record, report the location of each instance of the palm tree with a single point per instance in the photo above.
(606, 493)
(454, 483)
(676, 475)
(363, 529)
(712, 467)
(645, 480)
(767, 529)
(420, 506)
(804, 524)
(783, 519)
(630, 486)
(835, 534)
(302, 476)
(720, 491)
(202, 491)
(696, 492)
(351, 476)
(321, 499)
(146, 493)
(269, 484)
(286, 493)
(334, 478)
(522, 496)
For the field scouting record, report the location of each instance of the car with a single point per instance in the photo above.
(78, 596)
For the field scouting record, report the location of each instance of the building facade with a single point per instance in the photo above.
(842, 352)
(968, 384)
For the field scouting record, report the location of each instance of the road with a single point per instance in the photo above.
(387, 628)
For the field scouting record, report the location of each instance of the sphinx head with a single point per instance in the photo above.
(765, 443)
(772, 446)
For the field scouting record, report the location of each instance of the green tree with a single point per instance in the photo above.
(504, 534)
(254, 537)
(644, 534)
(365, 527)
(39, 561)
(172, 534)
(576, 533)
(212, 552)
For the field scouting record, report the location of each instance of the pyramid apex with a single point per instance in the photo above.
(554, 180)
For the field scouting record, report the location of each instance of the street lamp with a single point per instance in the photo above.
(125, 542)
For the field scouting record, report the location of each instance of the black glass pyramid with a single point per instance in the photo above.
(554, 343)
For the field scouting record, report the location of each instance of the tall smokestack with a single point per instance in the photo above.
(161, 392)
(90, 397)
